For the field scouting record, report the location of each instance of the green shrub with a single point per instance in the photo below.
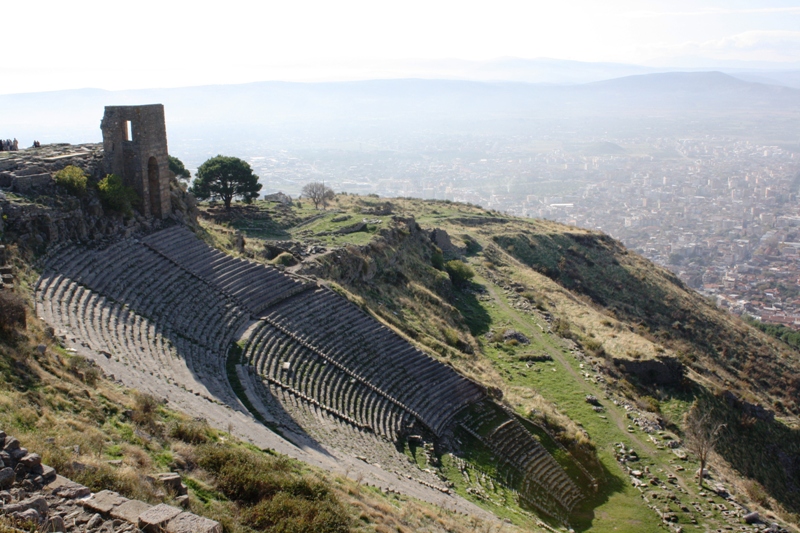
(473, 246)
(286, 513)
(756, 493)
(84, 369)
(563, 328)
(245, 476)
(72, 179)
(594, 347)
(190, 431)
(460, 273)
(284, 259)
(450, 336)
(437, 259)
(117, 196)
(145, 408)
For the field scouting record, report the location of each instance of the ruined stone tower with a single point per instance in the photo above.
(135, 148)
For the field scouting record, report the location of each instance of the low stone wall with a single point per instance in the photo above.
(32, 492)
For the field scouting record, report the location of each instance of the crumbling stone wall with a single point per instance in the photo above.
(135, 148)
(662, 370)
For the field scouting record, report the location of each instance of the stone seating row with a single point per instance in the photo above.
(254, 285)
(425, 373)
(151, 285)
(114, 329)
(347, 335)
(275, 351)
(269, 350)
(513, 442)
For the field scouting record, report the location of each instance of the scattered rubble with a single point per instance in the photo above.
(32, 492)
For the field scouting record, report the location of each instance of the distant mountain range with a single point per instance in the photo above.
(398, 103)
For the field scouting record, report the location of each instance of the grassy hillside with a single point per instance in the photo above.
(550, 316)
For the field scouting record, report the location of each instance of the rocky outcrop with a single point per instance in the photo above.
(750, 409)
(39, 213)
(659, 371)
(6, 272)
(440, 238)
(381, 257)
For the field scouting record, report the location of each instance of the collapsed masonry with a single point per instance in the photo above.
(168, 303)
(32, 493)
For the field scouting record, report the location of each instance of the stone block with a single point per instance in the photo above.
(48, 474)
(104, 501)
(32, 460)
(7, 478)
(130, 510)
(11, 443)
(55, 524)
(66, 488)
(38, 504)
(191, 523)
(154, 519)
(172, 482)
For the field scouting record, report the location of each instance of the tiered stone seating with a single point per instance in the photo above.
(255, 286)
(375, 355)
(523, 463)
(170, 307)
(133, 303)
(313, 378)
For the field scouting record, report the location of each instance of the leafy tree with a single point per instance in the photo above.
(226, 178)
(460, 273)
(177, 168)
(73, 179)
(319, 193)
(117, 196)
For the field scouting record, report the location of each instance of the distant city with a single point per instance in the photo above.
(721, 213)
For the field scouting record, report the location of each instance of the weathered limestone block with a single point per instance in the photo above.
(154, 519)
(31, 461)
(66, 488)
(48, 474)
(55, 524)
(172, 482)
(104, 501)
(130, 510)
(39, 504)
(352, 228)
(31, 171)
(190, 523)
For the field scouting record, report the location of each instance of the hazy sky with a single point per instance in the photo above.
(146, 43)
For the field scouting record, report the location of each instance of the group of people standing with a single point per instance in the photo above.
(8, 145)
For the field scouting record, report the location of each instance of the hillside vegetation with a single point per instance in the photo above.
(553, 315)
